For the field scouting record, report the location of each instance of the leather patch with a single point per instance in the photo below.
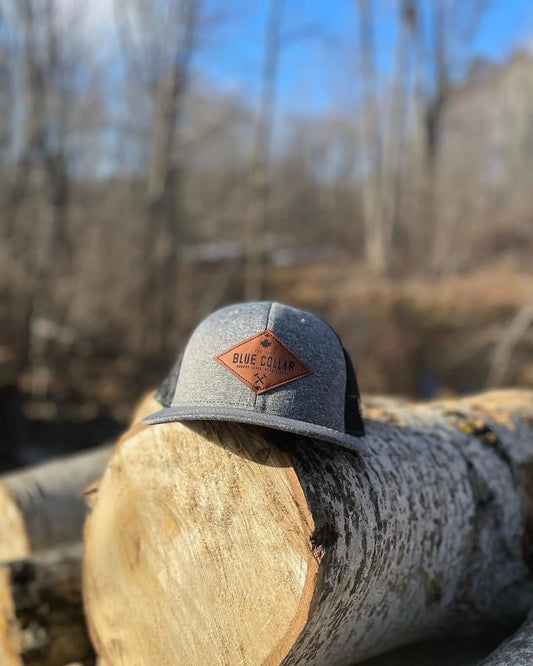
(263, 362)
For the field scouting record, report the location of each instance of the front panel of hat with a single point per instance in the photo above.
(318, 397)
(202, 380)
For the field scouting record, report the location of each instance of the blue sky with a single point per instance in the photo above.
(315, 72)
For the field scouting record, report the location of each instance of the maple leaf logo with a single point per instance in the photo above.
(265, 343)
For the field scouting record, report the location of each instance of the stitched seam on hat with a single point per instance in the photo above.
(248, 409)
(211, 402)
(266, 327)
(274, 416)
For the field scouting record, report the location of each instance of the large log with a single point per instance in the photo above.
(215, 543)
(41, 618)
(41, 613)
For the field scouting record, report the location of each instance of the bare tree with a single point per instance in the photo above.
(258, 197)
(510, 338)
(159, 43)
(382, 130)
(6, 89)
(443, 32)
(371, 142)
(42, 169)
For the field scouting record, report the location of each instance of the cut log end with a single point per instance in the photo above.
(14, 541)
(10, 644)
(213, 546)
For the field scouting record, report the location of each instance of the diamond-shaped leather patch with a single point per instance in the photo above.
(263, 362)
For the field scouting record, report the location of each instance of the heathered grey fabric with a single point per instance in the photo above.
(165, 392)
(203, 381)
(312, 405)
(317, 398)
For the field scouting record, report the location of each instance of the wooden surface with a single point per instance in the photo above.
(14, 540)
(42, 510)
(237, 545)
(10, 642)
(231, 537)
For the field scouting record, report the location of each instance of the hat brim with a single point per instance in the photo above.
(201, 413)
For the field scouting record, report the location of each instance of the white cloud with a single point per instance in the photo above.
(98, 14)
(90, 23)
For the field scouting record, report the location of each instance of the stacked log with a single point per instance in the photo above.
(41, 506)
(43, 618)
(41, 518)
(42, 510)
(216, 543)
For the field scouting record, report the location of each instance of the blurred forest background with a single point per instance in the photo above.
(369, 160)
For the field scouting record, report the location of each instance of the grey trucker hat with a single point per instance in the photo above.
(267, 364)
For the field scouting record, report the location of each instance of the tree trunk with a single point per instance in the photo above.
(164, 179)
(41, 614)
(245, 545)
(376, 236)
(257, 208)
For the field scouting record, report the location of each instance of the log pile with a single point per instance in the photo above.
(216, 543)
(219, 543)
(42, 510)
(41, 518)
(43, 621)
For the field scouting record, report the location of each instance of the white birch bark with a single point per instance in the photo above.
(345, 555)
(436, 506)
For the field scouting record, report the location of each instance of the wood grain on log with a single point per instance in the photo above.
(215, 543)
(14, 541)
(41, 614)
(10, 643)
(40, 598)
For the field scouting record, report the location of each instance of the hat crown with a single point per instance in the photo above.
(317, 396)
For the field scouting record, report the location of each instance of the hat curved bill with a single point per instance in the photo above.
(201, 413)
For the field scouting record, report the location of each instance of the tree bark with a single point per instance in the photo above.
(243, 545)
(41, 614)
